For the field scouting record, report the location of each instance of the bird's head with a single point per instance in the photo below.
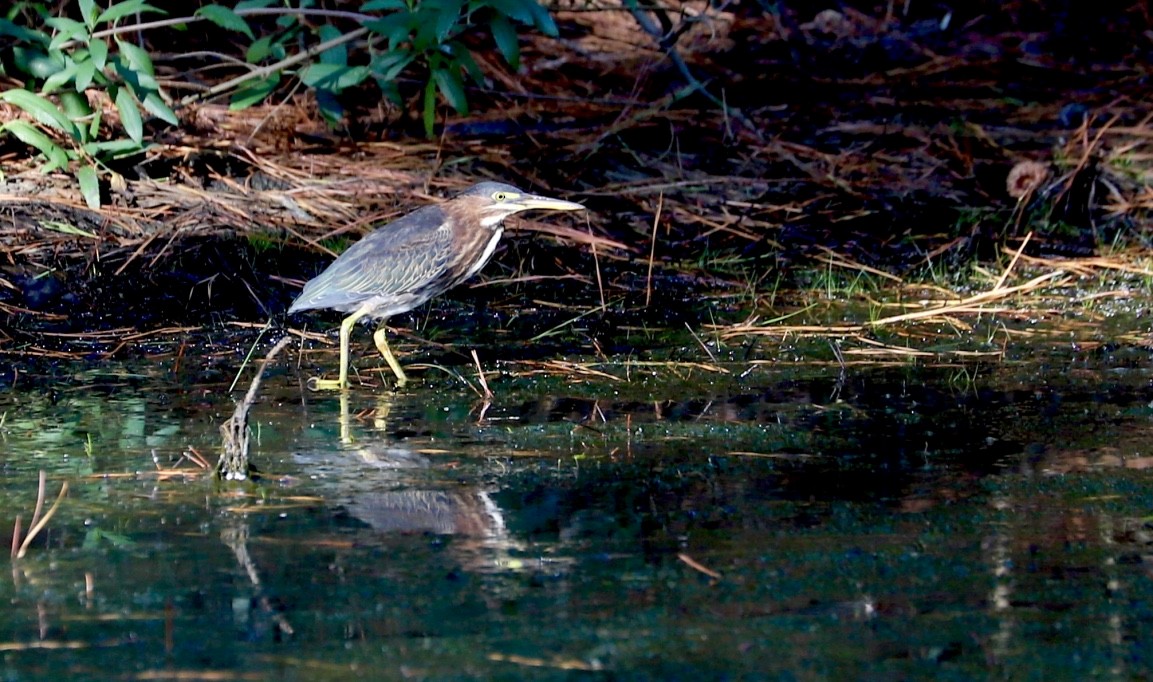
(495, 201)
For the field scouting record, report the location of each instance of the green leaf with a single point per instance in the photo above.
(126, 8)
(60, 78)
(89, 186)
(253, 92)
(396, 28)
(258, 50)
(391, 92)
(37, 63)
(138, 59)
(88, 11)
(112, 148)
(450, 85)
(33, 137)
(140, 82)
(506, 40)
(376, 5)
(23, 34)
(98, 50)
(254, 4)
(448, 18)
(330, 109)
(129, 115)
(333, 76)
(429, 114)
(76, 107)
(225, 18)
(85, 72)
(464, 58)
(64, 228)
(520, 10)
(333, 55)
(156, 106)
(543, 20)
(66, 30)
(41, 109)
(387, 66)
(94, 126)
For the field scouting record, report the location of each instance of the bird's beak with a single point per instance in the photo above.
(535, 201)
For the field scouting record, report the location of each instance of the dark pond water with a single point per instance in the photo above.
(911, 522)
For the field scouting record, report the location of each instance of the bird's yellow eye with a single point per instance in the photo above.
(500, 196)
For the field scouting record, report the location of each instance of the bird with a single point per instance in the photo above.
(413, 259)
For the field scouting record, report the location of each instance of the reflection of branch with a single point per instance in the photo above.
(236, 537)
(233, 465)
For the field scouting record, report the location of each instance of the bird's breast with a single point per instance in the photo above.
(475, 251)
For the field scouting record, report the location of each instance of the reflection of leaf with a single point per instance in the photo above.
(96, 537)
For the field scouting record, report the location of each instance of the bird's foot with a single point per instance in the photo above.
(317, 384)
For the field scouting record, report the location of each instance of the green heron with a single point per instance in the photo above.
(407, 262)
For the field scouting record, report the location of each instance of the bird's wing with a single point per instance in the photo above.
(395, 259)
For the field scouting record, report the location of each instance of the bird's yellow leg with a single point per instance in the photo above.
(341, 383)
(382, 345)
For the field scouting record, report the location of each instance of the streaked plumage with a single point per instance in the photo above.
(417, 257)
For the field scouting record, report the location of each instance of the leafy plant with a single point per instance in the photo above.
(429, 32)
(76, 57)
(59, 67)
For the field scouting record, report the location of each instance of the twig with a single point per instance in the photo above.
(273, 68)
(668, 41)
(480, 376)
(597, 265)
(653, 249)
(233, 464)
(1017, 256)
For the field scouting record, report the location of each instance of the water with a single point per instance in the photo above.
(903, 522)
